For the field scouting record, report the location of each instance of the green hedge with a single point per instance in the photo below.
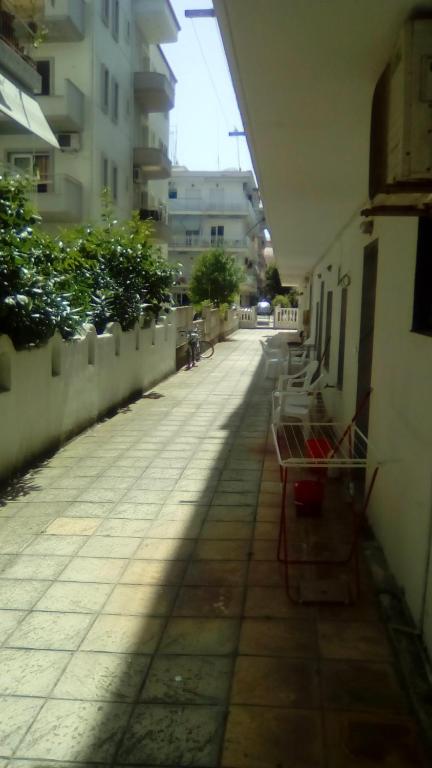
(93, 274)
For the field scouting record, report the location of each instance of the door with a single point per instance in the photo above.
(320, 322)
(367, 321)
(217, 235)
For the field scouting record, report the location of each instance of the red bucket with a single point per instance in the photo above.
(318, 448)
(308, 497)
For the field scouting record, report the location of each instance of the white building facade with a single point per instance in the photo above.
(216, 209)
(106, 89)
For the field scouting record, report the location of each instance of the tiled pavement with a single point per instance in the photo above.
(143, 619)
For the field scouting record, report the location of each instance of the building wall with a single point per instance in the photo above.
(400, 421)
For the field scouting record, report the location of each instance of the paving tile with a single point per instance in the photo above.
(357, 740)
(175, 529)
(232, 513)
(279, 637)
(122, 527)
(74, 597)
(277, 682)
(173, 735)
(94, 569)
(200, 636)
(165, 549)
(88, 509)
(209, 601)
(214, 529)
(273, 603)
(268, 736)
(216, 573)
(52, 631)
(267, 530)
(361, 686)
(109, 546)
(154, 572)
(263, 549)
(9, 620)
(128, 599)
(55, 545)
(264, 573)
(146, 497)
(75, 730)
(124, 634)
(131, 511)
(65, 526)
(188, 512)
(208, 549)
(101, 494)
(35, 567)
(188, 680)
(357, 640)
(103, 677)
(20, 593)
(233, 499)
(30, 673)
(16, 715)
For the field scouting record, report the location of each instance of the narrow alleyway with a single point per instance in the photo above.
(143, 619)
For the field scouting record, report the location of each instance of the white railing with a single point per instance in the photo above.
(197, 241)
(188, 204)
(247, 317)
(286, 317)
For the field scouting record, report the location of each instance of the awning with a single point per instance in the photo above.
(25, 110)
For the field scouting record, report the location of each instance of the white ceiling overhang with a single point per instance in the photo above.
(304, 72)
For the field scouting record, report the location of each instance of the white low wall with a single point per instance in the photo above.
(51, 392)
(247, 317)
(217, 325)
(285, 317)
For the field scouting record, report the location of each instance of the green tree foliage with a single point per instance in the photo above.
(216, 277)
(273, 285)
(96, 274)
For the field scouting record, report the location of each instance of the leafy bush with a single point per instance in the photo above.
(216, 277)
(97, 274)
(281, 301)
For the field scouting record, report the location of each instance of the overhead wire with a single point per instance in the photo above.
(210, 76)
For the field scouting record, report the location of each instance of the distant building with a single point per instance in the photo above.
(210, 209)
(107, 90)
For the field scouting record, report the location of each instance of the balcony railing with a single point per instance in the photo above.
(15, 41)
(58, 198)
(64, 113)
(197, 241)
(198, 205)
(62, 20)
(158, 218)
(153, 91)
(152, 163)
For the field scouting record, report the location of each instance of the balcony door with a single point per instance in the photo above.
(34, 165)
(367, 322)
(217, 235)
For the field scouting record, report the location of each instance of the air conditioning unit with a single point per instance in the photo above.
(69, 142)
(401, 129)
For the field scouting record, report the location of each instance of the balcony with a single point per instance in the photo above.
(197, 242)
(64, 113)
(182, 205)
(59, 199)
(13, 58)
(156, 20)
(152, 162)
(153, 91)
(64, 20)
(159, 221)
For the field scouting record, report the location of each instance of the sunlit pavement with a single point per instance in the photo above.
(143, 616)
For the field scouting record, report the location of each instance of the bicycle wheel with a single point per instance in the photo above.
(206, 348)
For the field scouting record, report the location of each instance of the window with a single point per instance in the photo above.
(217, 235)
(104, 88)
(342, 327)
(172, 190)
(422, 314)
(35, 165)
(329, 309)
(43, 67)
(128, 28)
(115, 19)
(114, 185)
(105, 175)
(105, 4)
(115, 101)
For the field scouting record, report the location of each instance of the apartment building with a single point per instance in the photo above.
(106, 89)
(338, 117)
(216, 209)
(19, 79)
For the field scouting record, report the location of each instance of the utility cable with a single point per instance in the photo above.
(210, 75)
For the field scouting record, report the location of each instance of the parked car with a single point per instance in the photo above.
(264, 308)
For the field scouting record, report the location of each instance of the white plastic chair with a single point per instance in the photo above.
(274, 357)
(292, 403)
(300, 381)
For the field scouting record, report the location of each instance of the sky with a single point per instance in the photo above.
(205, 103)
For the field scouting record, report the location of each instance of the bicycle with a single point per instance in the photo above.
(197, 347)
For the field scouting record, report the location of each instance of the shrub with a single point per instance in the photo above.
(216, 277)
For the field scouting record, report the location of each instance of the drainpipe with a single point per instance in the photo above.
(427, 568)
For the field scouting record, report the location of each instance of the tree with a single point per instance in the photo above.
(216, 277)
(275, 291)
